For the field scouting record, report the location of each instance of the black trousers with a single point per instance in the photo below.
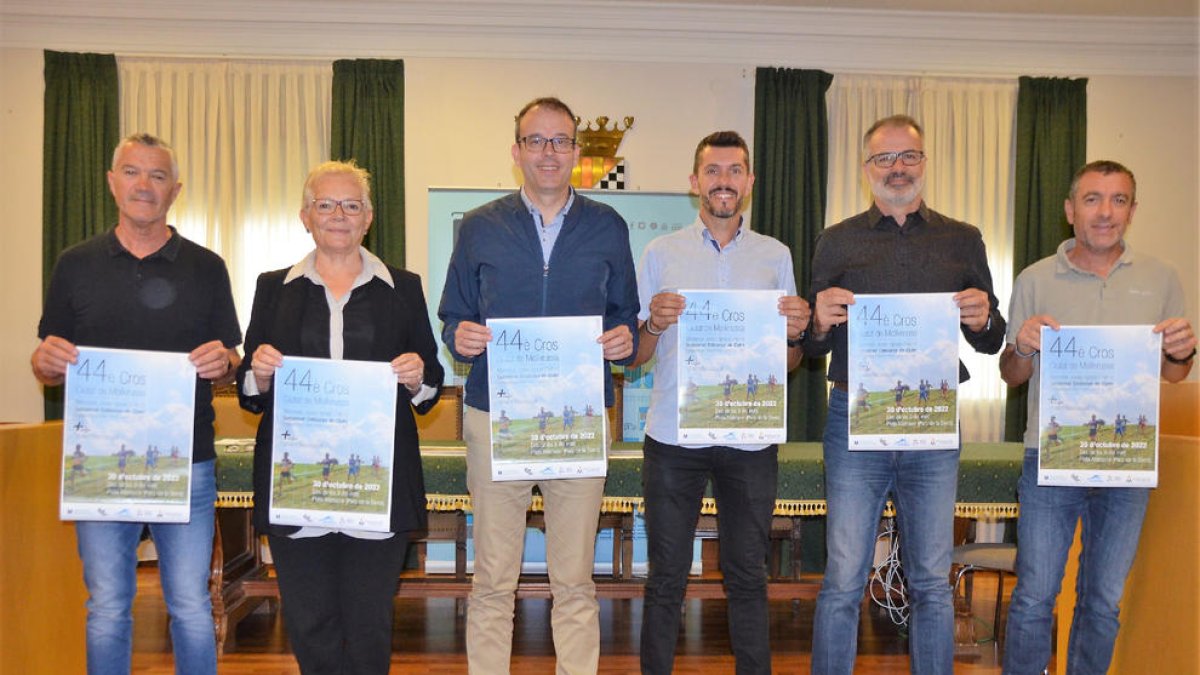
(337, 594)
(744, 486)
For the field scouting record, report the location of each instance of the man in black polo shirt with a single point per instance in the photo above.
(142, 286)
(899, 245)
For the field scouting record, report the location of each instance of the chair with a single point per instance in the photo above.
(999, 558)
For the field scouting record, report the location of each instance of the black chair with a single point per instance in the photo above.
(999, 558)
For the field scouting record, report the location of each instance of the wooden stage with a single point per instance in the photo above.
(428, 637)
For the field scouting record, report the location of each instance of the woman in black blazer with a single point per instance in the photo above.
(341, 302)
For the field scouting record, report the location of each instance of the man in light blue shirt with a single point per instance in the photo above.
(716, 252)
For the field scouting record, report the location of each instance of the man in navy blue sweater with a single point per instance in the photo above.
(542, 251)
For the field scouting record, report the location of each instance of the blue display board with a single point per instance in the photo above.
(649, 214)
(440, 555)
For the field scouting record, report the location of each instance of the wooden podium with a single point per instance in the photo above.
(42, 614)
(1160, 612)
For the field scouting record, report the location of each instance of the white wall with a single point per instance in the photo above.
(459, 131)
(459, 121)
(1150, 125)
(21, 90)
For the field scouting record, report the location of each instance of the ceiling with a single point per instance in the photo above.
(1138, 8)
(946, 37)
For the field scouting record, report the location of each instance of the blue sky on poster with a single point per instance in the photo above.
(1117, 374)
(368, 411)
(158, 412)
(715, 363)
(576, 349)
(931, 354)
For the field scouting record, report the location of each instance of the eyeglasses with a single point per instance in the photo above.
(886, 160)
(350, 207)
(561, 144)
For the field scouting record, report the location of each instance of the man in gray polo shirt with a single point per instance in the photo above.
(1093, 279)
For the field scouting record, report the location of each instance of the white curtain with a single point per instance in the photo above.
(245, 133)
(969, 126)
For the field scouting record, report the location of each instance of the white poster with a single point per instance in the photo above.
(128, 421)
(732, 360)
(1098, 406)
(903, 371)
(546, 394)
(334, 435)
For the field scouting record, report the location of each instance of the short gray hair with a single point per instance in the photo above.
(901, 121)
(1104, 167)
(150, 141)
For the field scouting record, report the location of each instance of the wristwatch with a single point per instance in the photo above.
(1181, 362)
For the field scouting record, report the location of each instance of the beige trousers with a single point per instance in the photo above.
(572, 511)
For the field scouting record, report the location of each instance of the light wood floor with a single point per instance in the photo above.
(428, 638)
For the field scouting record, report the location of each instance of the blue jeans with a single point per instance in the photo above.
(1112, 524)
(923, 484)
(109, 554)
(744, 485)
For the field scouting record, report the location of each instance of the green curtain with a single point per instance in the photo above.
(791, 165)
(368, 127)
(1051, 146)
(80, 131)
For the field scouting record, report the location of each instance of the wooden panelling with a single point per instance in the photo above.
(42, 615)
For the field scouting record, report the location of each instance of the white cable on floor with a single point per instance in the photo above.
(887, 579)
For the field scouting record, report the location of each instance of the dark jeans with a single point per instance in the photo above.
(744, 484)
(337, 592)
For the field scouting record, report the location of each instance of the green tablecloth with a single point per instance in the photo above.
(987, 479)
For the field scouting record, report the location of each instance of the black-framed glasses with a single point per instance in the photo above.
(350, 207)
(561, 144)
(886, 160)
